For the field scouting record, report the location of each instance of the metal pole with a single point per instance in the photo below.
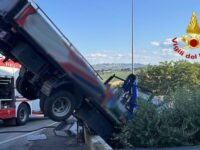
(132, 37)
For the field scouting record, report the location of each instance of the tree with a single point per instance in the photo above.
(167, 76)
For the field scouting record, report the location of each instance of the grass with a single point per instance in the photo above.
(121, 74)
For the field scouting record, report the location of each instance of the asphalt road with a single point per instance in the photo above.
(19, 141)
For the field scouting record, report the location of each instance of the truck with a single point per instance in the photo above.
(13, 107)
(55, 72)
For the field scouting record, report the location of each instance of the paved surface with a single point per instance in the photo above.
(19, 141)
(173, 148)
(34, 123)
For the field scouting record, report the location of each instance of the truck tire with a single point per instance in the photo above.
(26, 89)
(59, 105)
(22, 114)
(18, 84)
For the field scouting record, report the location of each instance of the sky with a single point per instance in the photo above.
(101, 29)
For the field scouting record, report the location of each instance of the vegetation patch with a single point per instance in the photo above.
(176, 120)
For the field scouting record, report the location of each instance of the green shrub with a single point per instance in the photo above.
(175, 123)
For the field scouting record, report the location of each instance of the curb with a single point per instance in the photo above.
(95, 142)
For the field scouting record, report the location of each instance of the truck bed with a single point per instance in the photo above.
(43, 37)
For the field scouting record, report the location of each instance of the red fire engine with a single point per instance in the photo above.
(13, 107)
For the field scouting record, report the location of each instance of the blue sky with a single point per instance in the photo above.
(101, 29)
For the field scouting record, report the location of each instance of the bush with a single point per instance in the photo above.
(175, 123)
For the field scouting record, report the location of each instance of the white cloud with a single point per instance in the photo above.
(108, 57)
(164, 52)
(94, 55)
(154, 43)
(165, 44)
(167, 51)
(142, 56)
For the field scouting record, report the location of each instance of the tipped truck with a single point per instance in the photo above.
(54, 71)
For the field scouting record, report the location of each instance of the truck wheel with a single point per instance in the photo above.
(22, 114)
(18, 84)
(26, 89)
(59, 106)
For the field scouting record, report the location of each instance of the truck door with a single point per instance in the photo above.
(7, 101)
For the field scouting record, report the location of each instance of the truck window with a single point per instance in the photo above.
(5, 88)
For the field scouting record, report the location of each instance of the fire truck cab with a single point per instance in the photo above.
(13, 107)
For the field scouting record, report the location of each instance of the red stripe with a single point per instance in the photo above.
(37, 113)
(23, 16)
(7, 113)
(78, 60)
(9, 63)
(75, 57)
(107, 97)
(23, 100)
(73, 69)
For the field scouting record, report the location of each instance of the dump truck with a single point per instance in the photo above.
(56, 73)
